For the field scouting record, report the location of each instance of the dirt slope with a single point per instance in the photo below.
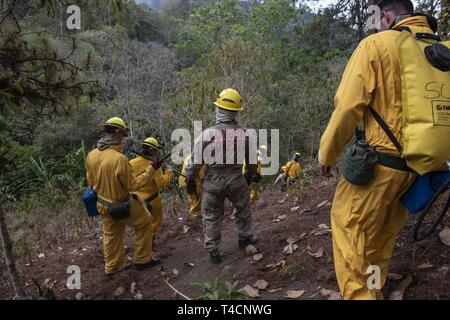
(308, 268)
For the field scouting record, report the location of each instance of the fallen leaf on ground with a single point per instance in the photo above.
(323, 204)
(250, 291)
(133, 287)
(425, 265)
(444, 235)
(280, 263)
(79, 296)
(261, 284)
(190, 264)
(332, 295)
(175, 272)
(293, 209)
(138, 296)
(305, 210)
(323, 226)
(294, 294)
(394, 276)
(226, 269)
(398, 293)
(119, 291)
(281, 201)
(319, 232)
(279, 218)
(258, 257)
(41, 255)
(290, 248)
(275, 290)
(291, 240)
(318, 254)
(186, 229)
(251, 249)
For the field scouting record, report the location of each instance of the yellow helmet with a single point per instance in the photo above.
(263, 148)
(229, 99)
(116, 122)
(152, 143)
(298, 155)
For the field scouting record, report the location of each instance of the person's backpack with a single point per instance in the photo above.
(90, 202)
(425, 75)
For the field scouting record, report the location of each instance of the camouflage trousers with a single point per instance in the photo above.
(217, 187)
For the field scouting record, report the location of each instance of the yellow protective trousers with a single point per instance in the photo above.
(155, 207)
(254, 190)
(195, 203)
(114, 237)
(365, 221)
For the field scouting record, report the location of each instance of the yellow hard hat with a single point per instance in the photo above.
(116, 122)
(263, 147)
(229, 99)
(297, 154)
(152, 143)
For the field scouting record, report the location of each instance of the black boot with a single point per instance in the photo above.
(243, 243)
(143, 266)
(215, 258)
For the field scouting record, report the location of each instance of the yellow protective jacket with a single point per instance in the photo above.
(258, 168)
(160, 179)
(198, 179)
(111, 175)
(293, 169)
(375, 59)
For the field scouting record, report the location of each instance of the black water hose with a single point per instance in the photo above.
(425, 211)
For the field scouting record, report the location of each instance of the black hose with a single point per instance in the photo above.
(424, 213)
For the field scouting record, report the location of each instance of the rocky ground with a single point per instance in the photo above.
(293, 259)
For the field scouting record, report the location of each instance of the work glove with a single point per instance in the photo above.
(156, 164)
(191, 187)
(256, 178)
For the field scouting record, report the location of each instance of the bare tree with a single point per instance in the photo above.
(9, 256)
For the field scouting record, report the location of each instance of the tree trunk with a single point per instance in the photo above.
(9, 257)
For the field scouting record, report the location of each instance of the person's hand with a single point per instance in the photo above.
(191, 187)
(256, 178)
(156, 164)
(324, 171)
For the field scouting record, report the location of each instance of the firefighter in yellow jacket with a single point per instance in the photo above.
(111, 176)
(366, 219)
(291, 172)
(195, 199)
(254, 185)
(150, 192)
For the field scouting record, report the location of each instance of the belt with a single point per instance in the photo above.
(152, 197)
(224, 170)
(108, 203)
(393, 162)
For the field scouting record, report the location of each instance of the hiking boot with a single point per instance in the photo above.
(148, 265)
(112, 273)
(215, 258)
(243, 243)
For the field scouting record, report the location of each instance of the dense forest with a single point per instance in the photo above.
(160, 69)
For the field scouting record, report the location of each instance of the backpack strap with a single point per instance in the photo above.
(386, 129)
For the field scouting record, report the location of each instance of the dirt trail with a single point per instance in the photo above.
(309, 267)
